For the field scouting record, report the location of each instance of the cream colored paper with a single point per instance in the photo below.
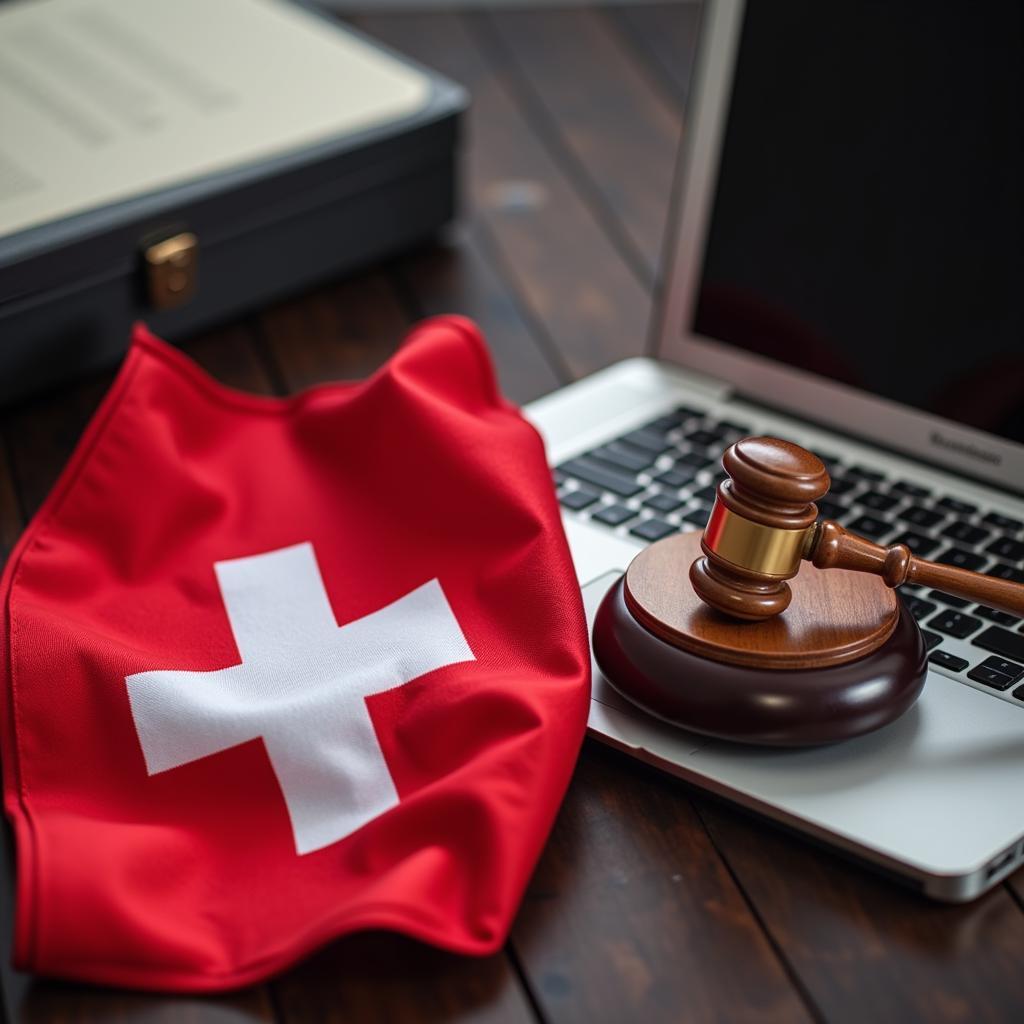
(102, 100)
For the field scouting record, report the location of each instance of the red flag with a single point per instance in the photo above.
(280, 669)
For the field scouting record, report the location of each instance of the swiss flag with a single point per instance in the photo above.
(280, 669)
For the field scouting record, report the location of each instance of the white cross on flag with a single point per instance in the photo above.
(282, 669)
(301, 687)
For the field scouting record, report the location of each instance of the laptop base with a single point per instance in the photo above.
(933, 797)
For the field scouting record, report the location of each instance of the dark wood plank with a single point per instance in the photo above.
(10, 513)
(378, 977)
(664, 36)
(598, 108)
(342, 332)
(41, 434)
(1016, 886)
(631, 915)
(230, 356)
(460, 276)
(565, 269)
(78, 1004)
(13, 984)
(865, 948)
(347, 330)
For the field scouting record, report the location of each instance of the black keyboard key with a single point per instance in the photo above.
(1002, 642)
(698, 517)
(1006, 572)
(955, 505)
(919, 607)
(918, 515)
(623, 457)
(1003, 522)
(614, 515)
(995, 615)
(966, 533)
(953, 602)
(647, 441)
(694, 460)
(734, 427)
(652, 529)
(955, 624)
(841, 486)
(871, 527)
(705, 438)
(594, 473)
(558, 477)
(1019, 693)
(990, 678)
(917, 542)
(947, 660)
(688, 412)
(676, 477)
(1007, 668)
(830, 509)
(962, 559)
(877, 502)
(706, 494)
(909, 489)
(663, 503)
(828, 459)
(580, 498)
(866, 474)
(930, 639)
(1008, 548)
(663, 424)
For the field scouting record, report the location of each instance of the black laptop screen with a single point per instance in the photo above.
(868, 223)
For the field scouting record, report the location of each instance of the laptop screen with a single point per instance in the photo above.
(868, 223)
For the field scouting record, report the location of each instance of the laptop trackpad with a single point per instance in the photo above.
(939, 787)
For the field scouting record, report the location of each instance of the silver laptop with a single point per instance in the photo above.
(846, 274)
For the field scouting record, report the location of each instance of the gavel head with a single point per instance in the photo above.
(760, 526)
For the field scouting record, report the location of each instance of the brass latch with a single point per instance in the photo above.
(171, 270)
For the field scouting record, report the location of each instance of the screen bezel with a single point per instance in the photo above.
(898, 427)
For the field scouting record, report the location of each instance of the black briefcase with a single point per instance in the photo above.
(204, 250)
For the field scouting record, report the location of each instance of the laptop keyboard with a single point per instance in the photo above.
(661, 479)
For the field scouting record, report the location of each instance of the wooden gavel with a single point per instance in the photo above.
(764, 523)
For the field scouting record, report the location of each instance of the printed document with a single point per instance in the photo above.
(103, 100)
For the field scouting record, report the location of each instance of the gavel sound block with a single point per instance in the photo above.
(720, 634)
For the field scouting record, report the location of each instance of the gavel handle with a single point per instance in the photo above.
(831, 547)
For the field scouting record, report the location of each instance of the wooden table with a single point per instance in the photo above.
(651, 901)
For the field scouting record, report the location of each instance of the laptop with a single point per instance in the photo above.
(845, 273)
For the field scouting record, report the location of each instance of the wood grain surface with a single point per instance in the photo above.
(835, 616)
(650, 902)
